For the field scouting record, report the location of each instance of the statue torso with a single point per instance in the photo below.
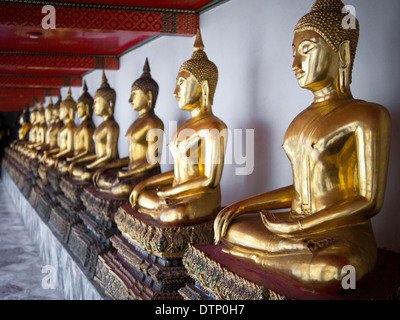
(137, 136)
(321, 145)
(66, 135)
(84, 132)
(106, 135)
(186, 147)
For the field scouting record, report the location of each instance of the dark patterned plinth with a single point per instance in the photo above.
(146, 260)
(35, 195)
(165, 241)
(35, 168)
(221, 276)
(73, 188)
(28, 185)
(61, 222)
(136, 274)
(102, 205)
(47, 201)
(90, 239)
(54, 178)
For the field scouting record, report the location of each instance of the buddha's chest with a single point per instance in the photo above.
(137, 134)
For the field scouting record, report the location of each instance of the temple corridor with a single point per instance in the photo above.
(21, 274)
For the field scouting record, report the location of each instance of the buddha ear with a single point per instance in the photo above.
(150, 99)
(344, 66)
(111, 107)
(344, 54)
(205, 94)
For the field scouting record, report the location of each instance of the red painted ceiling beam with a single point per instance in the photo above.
(28, 92)
(57, 62)
(18, 100)
(39, 82)
(107, 19)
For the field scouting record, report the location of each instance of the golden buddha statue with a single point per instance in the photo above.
(56, 124)
(338, 148)
(83, 137)
(41, 126)
(24, 127)
(105, 136)
(65, 137)
(36, 134)
(191, 192)
(121, 175)
(50, 115)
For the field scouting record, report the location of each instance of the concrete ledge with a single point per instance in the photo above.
(71, 282)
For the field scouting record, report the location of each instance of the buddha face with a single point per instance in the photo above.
(81, 110)
(101, 106)
(32, 117)
(56, 114)
(63, 112)
(188, 91)
(138, 99)
(41, 117)
(315, 64)
(48, 114)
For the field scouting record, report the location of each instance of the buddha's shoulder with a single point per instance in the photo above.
(110, 124)
(155, 122)
(364, 110)
(213, 122)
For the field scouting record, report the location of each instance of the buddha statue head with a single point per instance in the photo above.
(197, 79)
(85, 103)
(68, 107)
(144, 90)
(324, 49)
(41, 118)
(56, 109)
(24, 121)
(33, 115)
(48, 112)
(25, 115)
(104, 98)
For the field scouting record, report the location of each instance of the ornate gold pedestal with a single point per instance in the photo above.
(102, 205)
(73, 188)
(65, 219)
(221, 276)
(96, 225)
(146, 260)
(37, 192)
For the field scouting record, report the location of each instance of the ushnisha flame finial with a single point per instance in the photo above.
(198, 43)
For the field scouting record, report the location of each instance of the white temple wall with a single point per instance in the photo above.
(250, 42)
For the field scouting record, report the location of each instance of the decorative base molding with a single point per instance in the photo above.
(221, 276)
(73, 188)
(146, 260)
(158, 239)
(102, 205)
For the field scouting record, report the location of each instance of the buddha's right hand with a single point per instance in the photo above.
(222, 221)
(96, 176)
(135, 193)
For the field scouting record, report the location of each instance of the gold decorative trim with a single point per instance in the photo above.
(162, 241)
(100, 207)
(100, 6)
(222, 283)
